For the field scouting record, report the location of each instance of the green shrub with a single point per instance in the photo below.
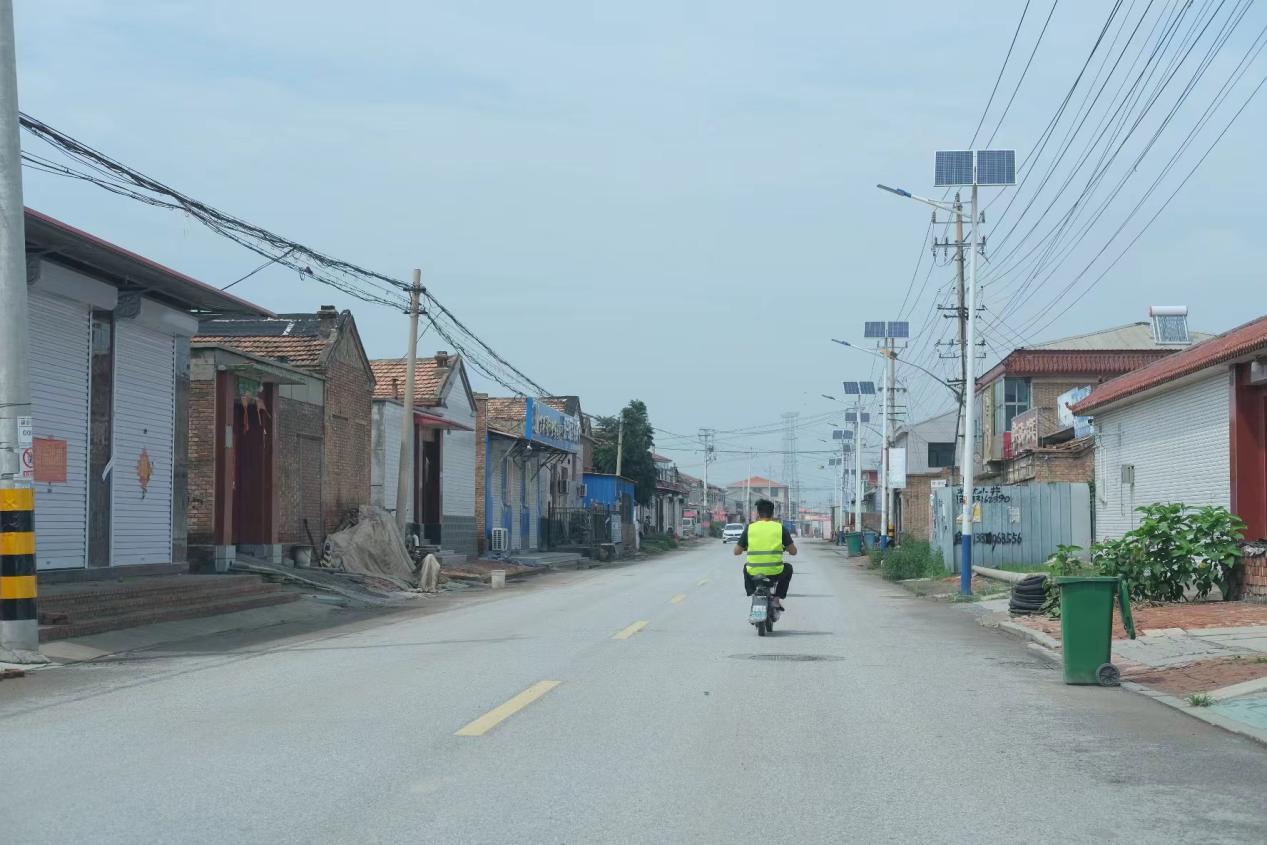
(1173, 548)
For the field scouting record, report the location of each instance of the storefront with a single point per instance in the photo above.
(109, 379)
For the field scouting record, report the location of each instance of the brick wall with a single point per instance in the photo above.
(1255, 578)
(300, 457)
(915, 505)
(201, 461)
(348, 399)
(481, 443)
(1049, 465)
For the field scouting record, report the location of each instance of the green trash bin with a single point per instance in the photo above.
(1086, 627)
(853, 543)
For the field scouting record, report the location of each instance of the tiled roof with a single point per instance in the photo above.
(658, 458)
(1229, 346)
(299, 339)
(755, 481)
(299, 351)
(1130, 336)
(390, 373)
(1071, 362)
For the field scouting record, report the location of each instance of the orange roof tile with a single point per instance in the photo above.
(390, 373)
(298, 351)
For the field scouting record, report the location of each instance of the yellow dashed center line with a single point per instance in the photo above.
(626, 633)
(678, 599)
(497, 715)
(701, 582)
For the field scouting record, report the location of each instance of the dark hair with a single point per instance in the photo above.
(765, 508)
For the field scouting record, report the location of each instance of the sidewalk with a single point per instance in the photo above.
(1210, 653)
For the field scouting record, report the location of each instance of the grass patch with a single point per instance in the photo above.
(1199, 699)
(657, 543)
(911, 559)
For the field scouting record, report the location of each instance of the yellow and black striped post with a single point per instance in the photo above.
(19, 625)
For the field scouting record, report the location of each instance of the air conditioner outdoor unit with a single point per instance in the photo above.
(501, 539)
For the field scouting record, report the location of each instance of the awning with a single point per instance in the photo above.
(432, 421)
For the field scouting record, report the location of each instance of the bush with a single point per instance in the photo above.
(912, 559)
(1173, 548)
(659, 542)
(1064, 562)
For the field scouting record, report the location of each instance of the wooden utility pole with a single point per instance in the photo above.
(405, 474)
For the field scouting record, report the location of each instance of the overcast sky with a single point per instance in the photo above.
(662, 200)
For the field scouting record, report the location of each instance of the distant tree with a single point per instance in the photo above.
(637, 464)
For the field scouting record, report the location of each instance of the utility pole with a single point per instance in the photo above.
(706, 434)
(19, 628)
(405, 472)
(965, 563)
(620, 443)
(747, 485)
(885, 404)
(857, 466)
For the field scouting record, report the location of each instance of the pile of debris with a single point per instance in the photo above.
(365, 560)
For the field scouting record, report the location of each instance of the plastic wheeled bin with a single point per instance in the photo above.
(1086, 627)
(853, 543)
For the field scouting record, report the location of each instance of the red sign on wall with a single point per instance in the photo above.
(49, 459)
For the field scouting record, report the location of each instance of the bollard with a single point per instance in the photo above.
(497, 579)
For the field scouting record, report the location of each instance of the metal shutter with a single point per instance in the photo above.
(60, 350)
(144, 423)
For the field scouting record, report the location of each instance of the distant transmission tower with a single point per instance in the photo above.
(791, 462)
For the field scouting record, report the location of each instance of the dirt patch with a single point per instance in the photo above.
(1200, 677)
(478, 570)
(1186, 615)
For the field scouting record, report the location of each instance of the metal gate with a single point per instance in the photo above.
(567, 527)
(1021, 523)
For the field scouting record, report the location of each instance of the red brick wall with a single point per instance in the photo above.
(915, 507)
(1045, 466)
(1255, 578)
(349, 393)
(202, 461)
(300, 446)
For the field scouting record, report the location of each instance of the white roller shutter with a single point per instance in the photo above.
(144, 425)
(60, 352)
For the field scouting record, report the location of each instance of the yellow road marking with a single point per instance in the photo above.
(626, 633)
(497, 715)
(678, 599)
(701, 582)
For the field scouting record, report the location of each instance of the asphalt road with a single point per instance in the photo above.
(868, 717)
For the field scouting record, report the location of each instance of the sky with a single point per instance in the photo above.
(676, 202)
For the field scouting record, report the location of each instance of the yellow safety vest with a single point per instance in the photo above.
(765, 548)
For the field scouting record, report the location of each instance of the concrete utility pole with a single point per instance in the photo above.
(19, 628)
(857, 466)
(970, 340)
(884, 447)
(747, 485)
(405, 473)
(620, 443)
(706, 434)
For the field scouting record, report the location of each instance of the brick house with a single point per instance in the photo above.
(1021, 434)
(321, 419)
(740, 493)
(1188, 428)
(930, 459)
(444, 490)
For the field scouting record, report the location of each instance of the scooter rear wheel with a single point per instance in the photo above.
(760, 626)
(769, 626)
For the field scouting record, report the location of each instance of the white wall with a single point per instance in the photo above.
(458, 454)
(388, 417)
(1178, 444)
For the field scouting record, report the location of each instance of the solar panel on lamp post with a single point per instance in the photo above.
(955, 168)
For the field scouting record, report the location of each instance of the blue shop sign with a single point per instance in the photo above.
(544, 424)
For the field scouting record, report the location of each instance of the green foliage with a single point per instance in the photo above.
(655, 543)
(1199, 699)
(715, 528)
(639, 439)
(912, 559)
(1066, 561)
(1174, 547)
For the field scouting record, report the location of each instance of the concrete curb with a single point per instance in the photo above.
(1230, 725)
(1046, 647)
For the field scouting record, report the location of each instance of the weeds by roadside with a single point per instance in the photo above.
(1199, 699)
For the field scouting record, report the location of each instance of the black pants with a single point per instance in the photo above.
(781, 581)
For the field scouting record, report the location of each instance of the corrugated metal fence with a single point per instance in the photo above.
(1020, 523)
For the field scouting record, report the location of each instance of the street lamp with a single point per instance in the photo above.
(963, 168)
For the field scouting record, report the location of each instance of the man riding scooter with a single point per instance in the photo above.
(765, 542)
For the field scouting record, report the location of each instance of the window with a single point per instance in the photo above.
(941, 455)
(1011, 397)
